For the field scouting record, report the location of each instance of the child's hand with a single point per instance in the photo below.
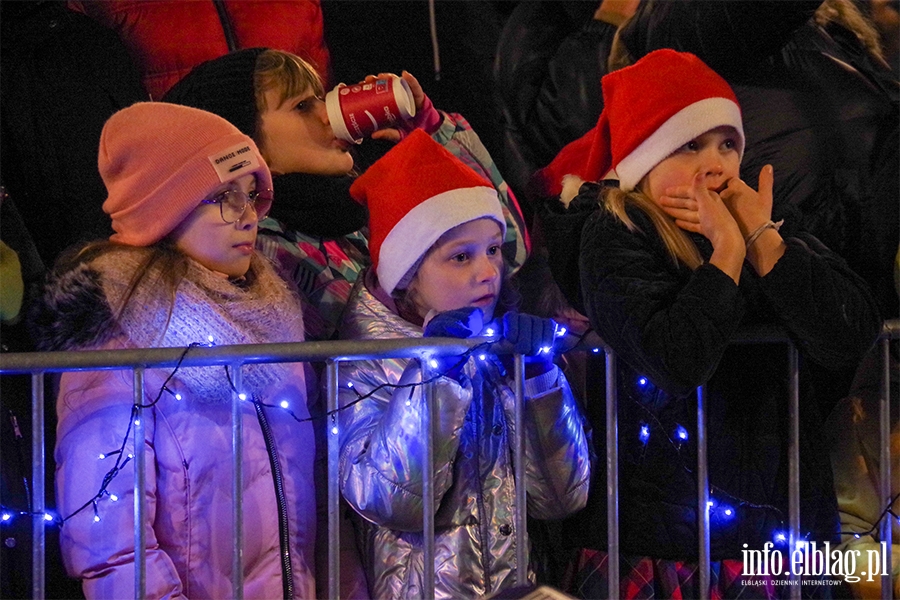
(748, 207)
(459, 323)
(532, 337)
(697, 209)
(427, 116)
(753, 211)
(528, 334)
(415, 87)
(574, 322)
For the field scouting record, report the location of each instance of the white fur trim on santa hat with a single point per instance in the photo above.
(424, 224)
(685, 125)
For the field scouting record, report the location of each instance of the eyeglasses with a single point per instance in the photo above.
(233, 203)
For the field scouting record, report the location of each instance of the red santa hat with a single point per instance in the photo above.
(650, 109)
(415, 193)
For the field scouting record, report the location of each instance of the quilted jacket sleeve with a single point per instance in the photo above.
(731, 37)
(98, 544)
(669, 323)
(549, 61)
(383, 442)
(557, 447)
(165, 52)
(827, 309)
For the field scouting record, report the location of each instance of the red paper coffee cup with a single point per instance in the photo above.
(357, 110)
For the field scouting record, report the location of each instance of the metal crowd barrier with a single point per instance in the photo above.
(334, 352)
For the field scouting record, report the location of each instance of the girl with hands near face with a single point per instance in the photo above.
(675, 255)
(716, 203)
(436, 233)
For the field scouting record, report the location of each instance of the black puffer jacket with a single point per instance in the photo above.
(674, 327)
(549, 61)
(815, 105)
(63, 76)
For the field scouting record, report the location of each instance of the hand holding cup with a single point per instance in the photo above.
(357, 111)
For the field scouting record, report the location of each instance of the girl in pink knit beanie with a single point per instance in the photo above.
(186, 190)
(317, 234)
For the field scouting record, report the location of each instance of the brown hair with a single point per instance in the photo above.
(162, 261)
(285, 72)
(848, 15)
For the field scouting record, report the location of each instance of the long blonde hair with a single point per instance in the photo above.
(680, 247)
(848, 15)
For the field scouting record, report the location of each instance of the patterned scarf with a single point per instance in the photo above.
(208, 308)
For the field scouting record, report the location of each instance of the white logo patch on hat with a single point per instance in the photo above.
(235, 161)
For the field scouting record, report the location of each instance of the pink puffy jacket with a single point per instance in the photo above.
(189, 493)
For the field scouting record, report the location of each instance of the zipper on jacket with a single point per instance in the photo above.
(287, 576)
(227, 28)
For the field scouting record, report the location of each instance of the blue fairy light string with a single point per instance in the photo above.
(718, 509)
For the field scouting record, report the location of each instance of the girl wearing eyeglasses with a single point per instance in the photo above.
(185, 190)
(318, 236)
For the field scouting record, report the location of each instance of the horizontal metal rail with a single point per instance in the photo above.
(248, 354)
(334, 352)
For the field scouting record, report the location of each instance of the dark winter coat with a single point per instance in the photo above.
(815, 105)
(549, 61)
(675, 328)
(63, 76)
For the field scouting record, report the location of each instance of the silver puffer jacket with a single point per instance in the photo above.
(382, 451)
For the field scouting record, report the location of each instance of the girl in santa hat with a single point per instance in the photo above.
(436, 232)
(317, 235)
(676, 254)
(186, 190)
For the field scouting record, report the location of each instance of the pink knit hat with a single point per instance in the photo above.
(650, 109)
(159, 160)
(415, 193)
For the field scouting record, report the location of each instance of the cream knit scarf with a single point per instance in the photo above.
(208, 308)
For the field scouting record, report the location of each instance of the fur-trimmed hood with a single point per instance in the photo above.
(72, 312)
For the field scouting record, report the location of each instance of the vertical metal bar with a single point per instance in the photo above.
(702, 494)
(140, 485)
(794, 460)
(885, 460)
(519, 472)
(612, 471)
(334, 525)
(237, 484)
(428, 484)
(38, 487)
